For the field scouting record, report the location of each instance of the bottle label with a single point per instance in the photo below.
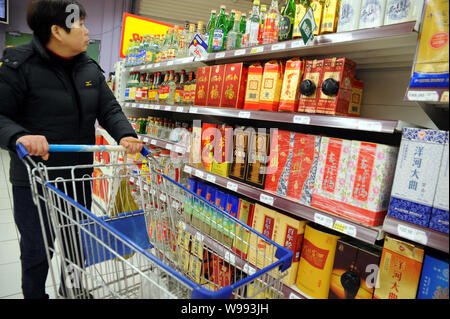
(127, 94)
(164, 92)
(149, 57)
(218, 40)
(253, 34)
(171, 54)
(285, 27)
(270, 34)
(178, 96)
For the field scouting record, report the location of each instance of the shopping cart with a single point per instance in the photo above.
(159, 241)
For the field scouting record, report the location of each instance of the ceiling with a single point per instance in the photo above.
(177, 12)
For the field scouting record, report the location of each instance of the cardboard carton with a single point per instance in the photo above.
(203, 75)
(254, 83)
(272, 82)
(233, 92)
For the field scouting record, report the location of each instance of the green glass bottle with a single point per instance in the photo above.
(210, 28)
(217, 39)
(287, 21)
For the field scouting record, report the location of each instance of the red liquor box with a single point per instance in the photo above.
(233, 92)
(278, 170)
(202, 86)
(254, 82)
(336, 87)
(310, 86)
(207, 151)
(303, 167)
(216, 82)
(291, 85)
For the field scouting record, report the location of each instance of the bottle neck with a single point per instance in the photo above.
(274, 5)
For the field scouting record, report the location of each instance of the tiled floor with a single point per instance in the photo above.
(10, 269)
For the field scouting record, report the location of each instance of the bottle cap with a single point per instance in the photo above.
(330, 87)
(307, 87)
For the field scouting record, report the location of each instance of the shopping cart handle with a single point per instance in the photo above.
(53, 148)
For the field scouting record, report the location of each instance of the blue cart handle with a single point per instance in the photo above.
(22, 152)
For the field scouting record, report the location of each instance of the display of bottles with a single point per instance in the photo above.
(287, 21)
(231, 21)
(216, 40)
(243, 29)
(271, 24)
(253, 25)
(179, 90)
(234, 38)
(210, 27)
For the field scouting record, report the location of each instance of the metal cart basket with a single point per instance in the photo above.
(127, 230)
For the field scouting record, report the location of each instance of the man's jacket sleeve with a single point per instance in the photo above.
(12, 94)
(110, 115)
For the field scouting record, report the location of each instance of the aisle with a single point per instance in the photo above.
(9, 238)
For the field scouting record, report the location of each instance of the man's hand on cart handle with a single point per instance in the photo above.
(133, 145)
(36, 145)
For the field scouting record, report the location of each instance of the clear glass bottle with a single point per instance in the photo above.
(179, 90)
(234, 39)
(253, 24)
(172, 86)
(163, 89)
(262, 16)
(271, 24)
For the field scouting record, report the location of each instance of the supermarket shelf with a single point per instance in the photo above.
(176, 64)
(388, 46)
(362, 232)
(416, 233)
(163, 144)
(427, 95)
(341, 122)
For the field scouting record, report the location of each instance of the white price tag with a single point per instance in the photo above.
(293, 296)
(423, 96)
(232, 186)
(168, 108)
(143, 67)
(193, 110)
(188, 169)
(230, 257)
(369, 126)
(199, 174)
(145, 139)
(180, 109)
(211, 178)
(134, 105)
(301, 119)
(157, 65)
(239, 52)
(249, 269)
(153, 142)
(256, 50)
(132, 179)
(199, 236)
(162, 197)
(266, 199)
(170, 63)
(176, 204)
(296, 44)
(413, 234)
(220, 55)
(244, 114)
(186, 60)
(156, 107)
(179, 149)
(345, 228)
(323, 220)
(279, 46)
(169, 147)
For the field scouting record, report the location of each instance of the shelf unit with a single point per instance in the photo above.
(362, 232)
(422, 235)
(177, 148)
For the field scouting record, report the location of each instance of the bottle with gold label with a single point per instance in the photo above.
(179, 90)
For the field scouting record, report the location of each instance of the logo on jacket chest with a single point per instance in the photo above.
(88, 83)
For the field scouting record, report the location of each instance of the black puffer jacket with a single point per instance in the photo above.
(38, 97)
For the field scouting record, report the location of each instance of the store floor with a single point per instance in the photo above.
(10, 268)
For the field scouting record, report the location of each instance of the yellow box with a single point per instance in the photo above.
(289, 233)
(330, 16)
(272, 83)
(183, 261)
(300, 11)
(260, 253)
(317, 8)
(316, 261)
(196, 271)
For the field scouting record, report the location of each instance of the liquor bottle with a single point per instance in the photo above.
(166, 45)
(231, 21)
(157, 86)
(287, 21)
(186, 90)
(179, 90)
(192, 88)
(200, 30)
(145, 88)
(243, 23)
(234, 39)
(162, 96)
(210, 28)
(142, 50)
(172, 87)
(253, 24)
(216, 40)
(157, 48)
(128, 87)
(271, 24)
(139, 88)
(261, 23)
(134, 86)
(173, 47)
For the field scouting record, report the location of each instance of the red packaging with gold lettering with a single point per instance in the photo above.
(207, 151)
(281, 150)
(304, 162)
(291, 85)
(254, 82)
(336, 87)
(216, 85)
(310, 86)
(202, 86)
(233, 92)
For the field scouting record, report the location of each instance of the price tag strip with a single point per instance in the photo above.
(345, 228)
(323, 220)
(413, 234)
(232, 186)
(266, 199)
(301, 119)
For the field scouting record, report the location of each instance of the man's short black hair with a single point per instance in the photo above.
(43, 14)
